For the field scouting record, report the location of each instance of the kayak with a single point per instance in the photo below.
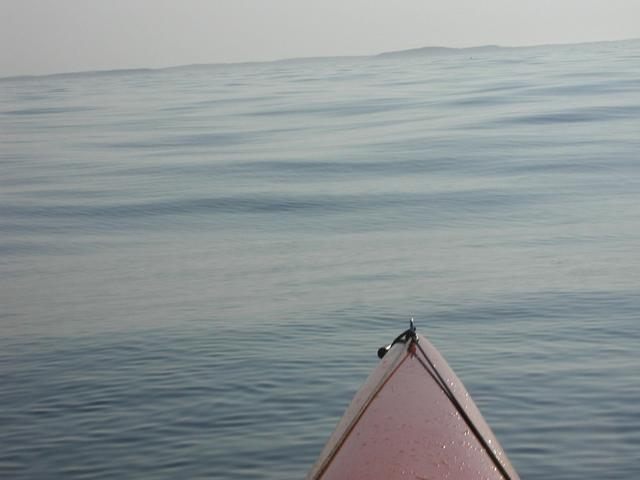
(412, 419)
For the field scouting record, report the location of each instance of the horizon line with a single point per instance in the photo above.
(310, 58)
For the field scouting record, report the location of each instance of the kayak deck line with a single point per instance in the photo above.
(403, 424)
(435, 374)
(343, 434)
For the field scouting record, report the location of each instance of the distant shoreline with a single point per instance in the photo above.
(429, 51)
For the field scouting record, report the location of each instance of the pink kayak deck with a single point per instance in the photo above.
(402, 425)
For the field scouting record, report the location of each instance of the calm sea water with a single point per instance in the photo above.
(198, 264)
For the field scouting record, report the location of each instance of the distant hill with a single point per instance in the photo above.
(414, 52)
(439, 51)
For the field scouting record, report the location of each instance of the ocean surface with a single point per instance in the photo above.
(198, 264)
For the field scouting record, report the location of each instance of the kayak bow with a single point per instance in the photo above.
(412, 419)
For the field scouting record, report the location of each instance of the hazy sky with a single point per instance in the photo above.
(45, 36)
